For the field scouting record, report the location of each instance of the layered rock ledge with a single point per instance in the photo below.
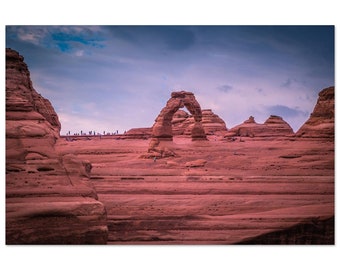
(49, 198)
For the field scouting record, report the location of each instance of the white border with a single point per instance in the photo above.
(175, 12)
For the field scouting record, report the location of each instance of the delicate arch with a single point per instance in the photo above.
(162, 129)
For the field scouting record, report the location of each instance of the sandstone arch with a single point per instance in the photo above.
(162, 128)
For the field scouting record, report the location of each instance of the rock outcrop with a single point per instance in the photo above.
(274, 126)
(212, 123)
(321, 121)
(278, 127)
(49, 199)
(32, 126)
(182, 123)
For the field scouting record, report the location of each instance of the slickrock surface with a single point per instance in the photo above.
(274, 126)
(215, 192)
(138, 133)
(321, 120)
(49, 198)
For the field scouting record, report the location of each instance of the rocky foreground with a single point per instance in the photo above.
(215, 192)
(186, 180)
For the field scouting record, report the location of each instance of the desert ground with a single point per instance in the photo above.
(247, 190)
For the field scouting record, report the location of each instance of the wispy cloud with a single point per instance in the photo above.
(287, 83)
(160, 37)
(225, 88)
(286, 112)
(124, 75)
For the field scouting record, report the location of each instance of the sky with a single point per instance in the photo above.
(107, 78)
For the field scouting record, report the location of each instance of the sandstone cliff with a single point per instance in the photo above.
(49, 199)
(321, 121)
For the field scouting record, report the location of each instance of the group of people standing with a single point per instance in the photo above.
(92, 133)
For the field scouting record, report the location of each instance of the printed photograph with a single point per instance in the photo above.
(170, 135)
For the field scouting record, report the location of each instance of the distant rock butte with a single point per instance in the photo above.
(274, 126)
(49, 199)
(321, 121)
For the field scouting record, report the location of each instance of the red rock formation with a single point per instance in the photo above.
(162, 128)
(22, 101)
(182, 123)
(212, 123)
(29, 134)
(278, 127)
(274, 126)
(49, 199)
(321, 121)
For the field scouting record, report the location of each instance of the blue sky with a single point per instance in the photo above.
(108, 78)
